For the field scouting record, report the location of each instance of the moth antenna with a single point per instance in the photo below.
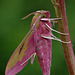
(55, 30)
(54, 38)
(28, 15)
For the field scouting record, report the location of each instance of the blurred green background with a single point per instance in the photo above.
(13, 30)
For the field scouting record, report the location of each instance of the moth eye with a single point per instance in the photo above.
(43, 16)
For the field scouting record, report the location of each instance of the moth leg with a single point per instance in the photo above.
(27, 59)
(54, 38)
(51, 20)
(34, 25)
(55, 30)
(60, 39)
(32, 58)
(47, 19)
(54, 22)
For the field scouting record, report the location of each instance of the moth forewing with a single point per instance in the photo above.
(20, 57)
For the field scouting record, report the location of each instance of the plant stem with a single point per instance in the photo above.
(59, 6)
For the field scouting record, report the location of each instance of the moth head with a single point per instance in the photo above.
(44, 14)
(38, 16)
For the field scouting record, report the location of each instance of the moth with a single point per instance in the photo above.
(38, 42)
